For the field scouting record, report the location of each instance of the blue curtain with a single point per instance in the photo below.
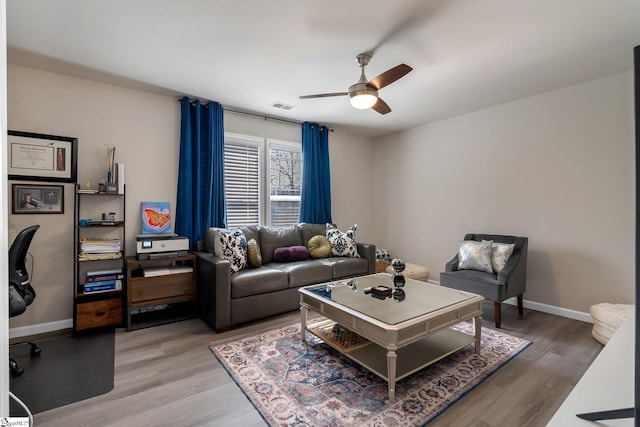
(200, 201)
(315, 203)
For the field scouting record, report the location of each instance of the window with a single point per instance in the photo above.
(248, 200)
(285, 183)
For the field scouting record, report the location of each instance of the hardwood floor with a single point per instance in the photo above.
(166, 376)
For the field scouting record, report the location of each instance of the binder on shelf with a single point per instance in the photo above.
(120, 177)
(115, 285)
(90, 285)
(94, 279)
(104, 272)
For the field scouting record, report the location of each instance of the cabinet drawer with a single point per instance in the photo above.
(157, 288)
(95, 314)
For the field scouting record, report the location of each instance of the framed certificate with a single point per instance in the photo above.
(39, 157)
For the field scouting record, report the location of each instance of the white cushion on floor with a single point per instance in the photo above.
(607, 318)
(412, 271)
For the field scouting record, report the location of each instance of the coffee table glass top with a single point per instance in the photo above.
(420, 298)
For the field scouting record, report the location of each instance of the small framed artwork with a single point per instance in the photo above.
(37, 199)
(40, 157)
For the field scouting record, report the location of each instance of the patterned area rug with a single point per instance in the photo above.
(296, 384)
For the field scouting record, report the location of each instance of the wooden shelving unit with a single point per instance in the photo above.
(101, 309)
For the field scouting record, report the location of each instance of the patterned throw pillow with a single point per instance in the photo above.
(253, 253)
(233, 248)
(343, 244)
(474, 255)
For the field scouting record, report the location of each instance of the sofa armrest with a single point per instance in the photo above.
(214, 290)
(452, 265)
(368, 252)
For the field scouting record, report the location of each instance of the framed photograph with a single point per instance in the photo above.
(37, 199)
(40, 157)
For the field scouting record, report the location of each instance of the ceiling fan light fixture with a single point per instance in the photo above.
(363, 98)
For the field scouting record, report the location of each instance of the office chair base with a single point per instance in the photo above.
(15, 370)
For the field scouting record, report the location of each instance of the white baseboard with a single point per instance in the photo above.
(546, 308)
(552, 309)
(40, 328)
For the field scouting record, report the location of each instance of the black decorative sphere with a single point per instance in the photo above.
(398, 265)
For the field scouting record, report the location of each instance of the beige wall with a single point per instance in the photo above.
(144, 127)
(557, 167)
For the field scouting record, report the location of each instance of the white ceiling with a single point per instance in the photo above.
(246, 54)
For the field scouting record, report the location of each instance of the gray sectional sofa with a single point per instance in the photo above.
(227, 298)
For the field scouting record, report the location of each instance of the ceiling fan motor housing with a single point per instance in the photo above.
(362, 95)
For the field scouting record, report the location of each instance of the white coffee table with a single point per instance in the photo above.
(404, 336)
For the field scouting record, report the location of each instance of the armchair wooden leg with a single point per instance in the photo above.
(520, 307)
(496, 314)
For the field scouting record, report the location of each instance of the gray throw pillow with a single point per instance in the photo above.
(474, 255)
(500, 255)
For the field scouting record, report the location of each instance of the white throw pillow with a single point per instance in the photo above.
(343, 244)
(233, 248)
(500, 254)
(474, 255)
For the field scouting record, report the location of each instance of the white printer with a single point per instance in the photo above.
(158, 246)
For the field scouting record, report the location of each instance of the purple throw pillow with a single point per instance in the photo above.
(290, 253)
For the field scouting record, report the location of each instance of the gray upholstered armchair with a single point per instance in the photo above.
(509, 282)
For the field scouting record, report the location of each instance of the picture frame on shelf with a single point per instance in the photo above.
(41, 157)
(37, 199)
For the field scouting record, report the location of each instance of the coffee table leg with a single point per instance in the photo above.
(391, 371)
(477, 325)
(303, 323)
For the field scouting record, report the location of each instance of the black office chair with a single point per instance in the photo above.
(21, 293)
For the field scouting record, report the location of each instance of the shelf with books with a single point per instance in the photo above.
(99, 282)
(99, 279)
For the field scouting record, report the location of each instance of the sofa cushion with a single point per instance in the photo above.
(343, 244)
(251, 232)
(253, 253)
(254, 281)
(474, 255)
(319, 247)
(308, 230)
(345, 267)
(290, 254)
(277, 237)
(211, 237)
(233, 248)
(303, 273)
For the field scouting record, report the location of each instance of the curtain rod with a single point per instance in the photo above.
(264, 116)
(291, 122)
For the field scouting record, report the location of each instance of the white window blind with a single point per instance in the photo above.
(285, 180)
(242, 183)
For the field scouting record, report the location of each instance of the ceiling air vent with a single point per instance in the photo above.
(282, 106)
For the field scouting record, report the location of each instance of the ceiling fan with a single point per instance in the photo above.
(364, 94)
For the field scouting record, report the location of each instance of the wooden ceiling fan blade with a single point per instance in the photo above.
(324, 95)
(390, 76)
(381, 107)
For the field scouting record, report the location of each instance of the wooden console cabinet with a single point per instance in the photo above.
(167, 296)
